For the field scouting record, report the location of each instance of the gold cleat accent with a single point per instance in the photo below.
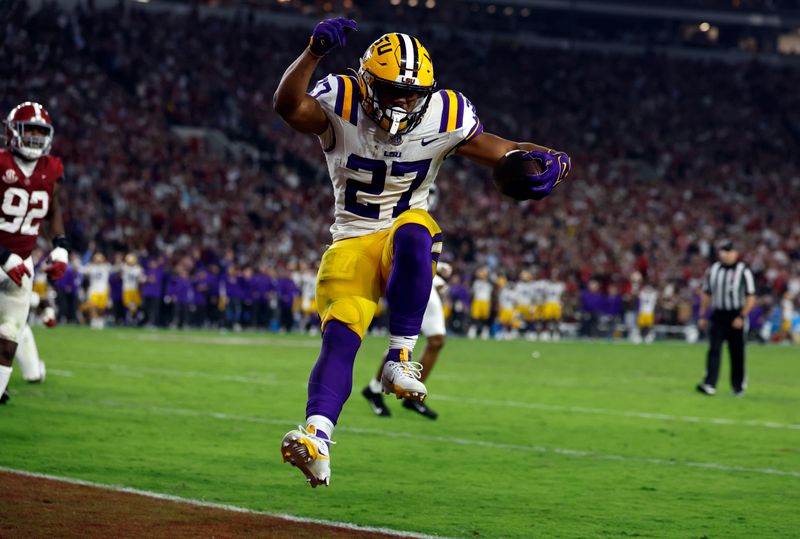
(300, 453)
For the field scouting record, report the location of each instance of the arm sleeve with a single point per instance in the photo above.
(707, 282)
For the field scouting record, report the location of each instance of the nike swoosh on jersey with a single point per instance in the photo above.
(426, 142)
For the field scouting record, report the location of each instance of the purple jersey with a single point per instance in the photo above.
(233, 287)
(265, 286)
(460, 294)
(287, 290)
(612, 305)
(183, 290)
(154, 276)
(70, 281)
(591, 302)
(115, 284)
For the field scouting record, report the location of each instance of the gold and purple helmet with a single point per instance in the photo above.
(396, 65)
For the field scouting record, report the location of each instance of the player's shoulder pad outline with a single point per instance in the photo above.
(344, 96)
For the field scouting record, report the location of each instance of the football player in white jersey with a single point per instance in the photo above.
(434, 330)
(132, 278)
(481, 306)
(551, 311)
(308, 302)
(648, 298)
(385, 131)
(98, 272)
(506, 308)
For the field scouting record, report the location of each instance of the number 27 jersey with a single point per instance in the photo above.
(377, 177)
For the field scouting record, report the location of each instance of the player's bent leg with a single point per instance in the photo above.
(329, 386)
(373, 392)
(7, 350)
(331, 379)
(31, 365)
(433, 348)
(14, 306)
(409, 260)
(347, 293)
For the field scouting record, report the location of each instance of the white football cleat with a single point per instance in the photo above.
(402, 379)
(301, 447)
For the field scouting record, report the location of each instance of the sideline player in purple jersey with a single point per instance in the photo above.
(385, 132)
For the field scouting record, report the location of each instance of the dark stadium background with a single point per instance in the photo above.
(681, 118)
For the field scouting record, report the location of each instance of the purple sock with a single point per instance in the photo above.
(409, 286)
(331, 379)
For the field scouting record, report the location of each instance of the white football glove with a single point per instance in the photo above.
(444, 270)
(57, 263)
(15, 268)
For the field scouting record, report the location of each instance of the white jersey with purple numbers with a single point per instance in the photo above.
(507, 299)
(377, 177)
(308, 286)
(648, 298)
(553, 291)
(481, 290)
(539, 291)
(98, 277)
(131, 277)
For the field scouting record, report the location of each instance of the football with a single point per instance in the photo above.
(509, 173)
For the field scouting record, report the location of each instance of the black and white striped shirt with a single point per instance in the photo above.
(728, 285)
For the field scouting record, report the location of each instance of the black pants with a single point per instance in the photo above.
(721, 330)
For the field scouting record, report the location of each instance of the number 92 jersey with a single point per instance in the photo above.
(25, 201)
(377, 177)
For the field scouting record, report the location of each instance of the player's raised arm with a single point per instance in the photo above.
(539, 168)
(291, 102)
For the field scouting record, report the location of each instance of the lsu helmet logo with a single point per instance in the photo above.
(395, 79)
(10, 177)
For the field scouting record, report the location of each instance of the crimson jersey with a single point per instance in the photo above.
(25, 201)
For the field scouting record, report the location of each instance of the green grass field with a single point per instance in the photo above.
(585, 440)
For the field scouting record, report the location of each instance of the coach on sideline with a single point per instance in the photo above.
(730, 288)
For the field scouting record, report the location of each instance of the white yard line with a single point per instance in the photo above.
(127, 370)
(137, 372)
(619, 413)
(221, 340)
(59, 372)
(224, 507)
(452, 440)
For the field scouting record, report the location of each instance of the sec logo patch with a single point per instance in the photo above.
(10, 177)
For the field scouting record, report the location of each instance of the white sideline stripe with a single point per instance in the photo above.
(211, 505)
(222, 341)
(621, 413)
(127, 370)
(450, 440)
(59, 372)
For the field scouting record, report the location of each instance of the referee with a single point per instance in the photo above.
(729, 288)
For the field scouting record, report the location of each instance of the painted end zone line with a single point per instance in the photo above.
(211, 505)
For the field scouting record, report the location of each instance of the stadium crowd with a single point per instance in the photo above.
(669, 155)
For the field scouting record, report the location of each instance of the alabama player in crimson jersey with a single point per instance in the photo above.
(28, 195)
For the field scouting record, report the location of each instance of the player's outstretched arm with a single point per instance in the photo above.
(291, 102)
(488, 149)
